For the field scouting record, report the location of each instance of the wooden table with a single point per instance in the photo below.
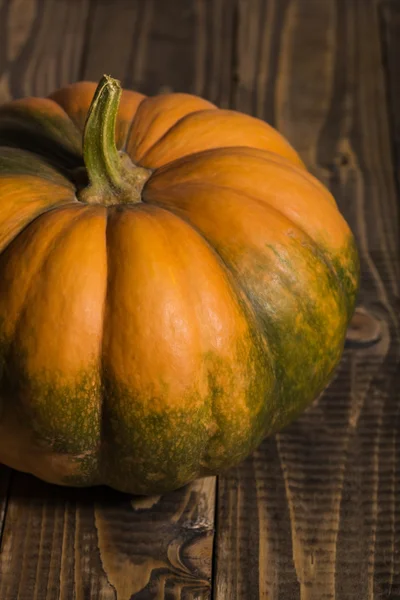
(314, 513)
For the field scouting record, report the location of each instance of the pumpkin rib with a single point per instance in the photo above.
(268, 208)
(77, 377)
(159, 110)
(81, 212)
(101, 459)
(234, 282)
(244, 328)
(323, 256)
(173, 170)
(266, 156)
(130, 128)
(220, 260)
(39, 264)
(124, 103)
(140, 160)
(34, 218)
(61, 97)
(250, 313)
(143, 156)
(48, 122)
(35, 164)
(258, 153)
(284, 150)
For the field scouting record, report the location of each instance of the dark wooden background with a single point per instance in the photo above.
(314, 513)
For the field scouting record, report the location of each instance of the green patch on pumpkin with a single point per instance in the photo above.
(152, 452)
(49, 135)
(305, 331)
(15, 162)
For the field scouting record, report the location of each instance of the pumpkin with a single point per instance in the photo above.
(175, 286)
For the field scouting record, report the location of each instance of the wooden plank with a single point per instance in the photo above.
(41, 44)
(97, 543)
(314, 513)
(163, 46)
(61, 543)
(390, 14)
(390, 21)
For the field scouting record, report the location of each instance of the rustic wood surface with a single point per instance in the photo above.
(314, 513)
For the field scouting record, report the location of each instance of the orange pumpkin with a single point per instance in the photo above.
(172, 290)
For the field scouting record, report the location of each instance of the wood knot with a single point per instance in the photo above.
(364, 329)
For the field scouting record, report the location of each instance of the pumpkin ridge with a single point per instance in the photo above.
(6, 338)
(259, 153)
(240, 293)
(132, 434)
(35, 218)
(266, 325)
(45, 258)
(35, 165)
(59, 402)
(33, 124)
(143, 157)
(102, 368)
(54, 97)
(173, 127)
(323, 255)
(285, 149)
(317, 249)
(131, 125)
(158, 110)
(234, 283)
(242, 296)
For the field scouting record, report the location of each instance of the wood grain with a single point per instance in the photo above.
(180, 46)
(314, 513)
(390, 17)
(41, 45)
(97, 543)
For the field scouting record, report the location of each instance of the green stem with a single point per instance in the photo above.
(113, 177)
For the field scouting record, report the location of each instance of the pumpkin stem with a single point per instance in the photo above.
(112, 175)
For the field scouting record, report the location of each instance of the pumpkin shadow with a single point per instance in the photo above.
(24, 487)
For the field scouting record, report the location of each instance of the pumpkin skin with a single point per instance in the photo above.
(144, 344)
